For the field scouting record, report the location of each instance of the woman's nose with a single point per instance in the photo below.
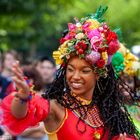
(76, 75)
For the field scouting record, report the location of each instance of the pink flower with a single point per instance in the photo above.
(71, 26)
(67, 37)
(96, 39)
(94, 33)
(86, 26)
(93, 57)
(96, 42)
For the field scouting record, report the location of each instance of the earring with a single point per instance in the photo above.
(66, 88)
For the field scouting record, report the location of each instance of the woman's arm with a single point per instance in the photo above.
(18, 107)
(18, 110)
(37, 111)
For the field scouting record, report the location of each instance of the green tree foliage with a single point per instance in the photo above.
(34, 27)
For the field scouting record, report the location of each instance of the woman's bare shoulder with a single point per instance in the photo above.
(55, 117)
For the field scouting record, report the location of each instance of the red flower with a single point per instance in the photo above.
(111, 37)
(80, 51)
(100, 63)
(72, 34)
(113, 47)
(82, 45)
(100, 50)
(77, 47)
(62, 40)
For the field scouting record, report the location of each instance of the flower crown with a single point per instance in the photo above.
(125, 62)
(91, 39)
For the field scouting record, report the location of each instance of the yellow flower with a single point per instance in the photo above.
(105, 56)
(57, 57)
(131, 61)
(129, 69)
(63, 48)
(132, 67)
(130, 57)
(94, 24)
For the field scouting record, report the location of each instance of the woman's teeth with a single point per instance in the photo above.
(76, 85)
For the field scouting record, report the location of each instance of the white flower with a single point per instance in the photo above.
(79, 36)
(70, 44)
(78, 25)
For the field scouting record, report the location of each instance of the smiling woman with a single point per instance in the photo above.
(81, 78)
(84, 101)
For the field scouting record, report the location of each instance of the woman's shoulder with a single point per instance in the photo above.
(55, 117)
(55, 106)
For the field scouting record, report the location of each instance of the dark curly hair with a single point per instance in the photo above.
(106, 96)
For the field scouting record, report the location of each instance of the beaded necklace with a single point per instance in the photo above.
(92, 117)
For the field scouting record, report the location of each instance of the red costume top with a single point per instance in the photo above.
(38, 111)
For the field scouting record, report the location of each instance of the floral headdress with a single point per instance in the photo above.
(125, 62)
(91, 39)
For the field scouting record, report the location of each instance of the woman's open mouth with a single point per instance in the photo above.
(76, 85)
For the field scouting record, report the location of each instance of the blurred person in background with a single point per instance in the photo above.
(37, 132)
(137, 83)
(127, 67)
(47, 68)
(8, 59)
(6, 84)
(35, 78)
(37, 65)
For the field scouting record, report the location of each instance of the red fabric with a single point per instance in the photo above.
(69, 131)
(38, 111)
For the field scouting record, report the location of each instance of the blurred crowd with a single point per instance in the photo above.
(41, 72)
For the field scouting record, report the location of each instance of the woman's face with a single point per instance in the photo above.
(9, 60)
(80, 77)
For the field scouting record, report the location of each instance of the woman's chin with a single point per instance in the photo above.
(77, 91)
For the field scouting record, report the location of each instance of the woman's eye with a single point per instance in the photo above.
(69, 69)
(86, 71)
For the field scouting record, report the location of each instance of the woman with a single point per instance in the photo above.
(84, 101)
